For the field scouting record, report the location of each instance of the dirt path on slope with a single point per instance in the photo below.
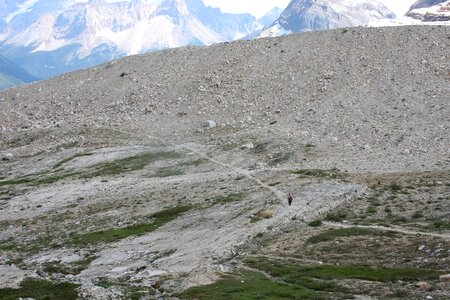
(280, 195)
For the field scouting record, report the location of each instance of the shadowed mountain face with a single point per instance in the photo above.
(169, 173)
(12, 75)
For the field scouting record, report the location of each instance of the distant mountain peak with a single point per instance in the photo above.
(430, 11)
(426, 3)
(309, 15)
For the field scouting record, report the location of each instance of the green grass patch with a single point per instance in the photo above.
(129, 164)
(29, 179)
(399, 220)
(167, 172)
(9, 245)
(104, 282)
(20, 180)
(137, 293)
(395, 187)
(310, 149)
(80, 265)
(129, 292)
(371, 210)
(329, 174)
(439, 225)
(163, 254)
(53, 178)
(328, 272)
(313, 284)
(417, 215)
(246, 285)
(34, 246)
(337, 216)
(120, 166)
(41, 290)
(196, 162)
(55, 267)
(74, 268)
(332, 234)
(260, 148)
(108, 236)
(315, 223)
(228, 199)
(68, 159)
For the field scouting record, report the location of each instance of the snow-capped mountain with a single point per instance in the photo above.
(422, 12)
(271, 16)
(430, 11)
(69, 34)
(309, 15)
(17, 15)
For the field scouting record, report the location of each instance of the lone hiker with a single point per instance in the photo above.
(290, 199)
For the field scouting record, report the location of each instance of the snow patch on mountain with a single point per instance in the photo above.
(439, 12)
(40, 36)
(275, 30)
(309, 15)
(25, 7)
(421, 14)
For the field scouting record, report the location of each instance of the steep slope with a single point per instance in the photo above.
(309, 75)
(156, 173)
(308, 15)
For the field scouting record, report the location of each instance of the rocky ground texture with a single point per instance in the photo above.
(166, 175)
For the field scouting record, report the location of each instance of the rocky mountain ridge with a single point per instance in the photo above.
(307, 15)
(430, 11)
(64, 37)
(421, 13)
